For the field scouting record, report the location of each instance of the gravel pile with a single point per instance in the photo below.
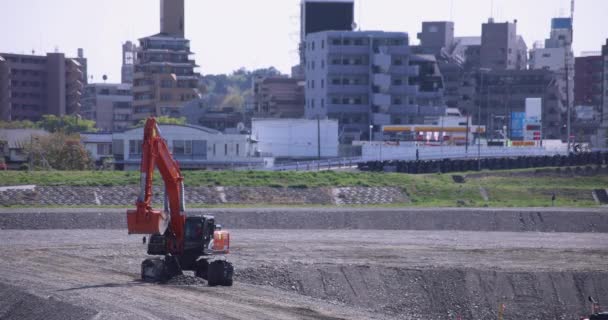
(438, 293)
(16, 304)
(186, 280)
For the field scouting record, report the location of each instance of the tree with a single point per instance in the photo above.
(59, 151)
(66, 124)
(25, 124)
(165, 120)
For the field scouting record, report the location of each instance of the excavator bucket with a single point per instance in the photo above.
(147, 222)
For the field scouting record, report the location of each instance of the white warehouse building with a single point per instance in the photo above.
(296, 138)
(193, 147)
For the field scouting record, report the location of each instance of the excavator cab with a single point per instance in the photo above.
(204, 237)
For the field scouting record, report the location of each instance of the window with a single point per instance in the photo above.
(322, 44)
(214, 153)
(182, 147)
(135, 146)
(104, 149)
(237, 149)
(322, 83)
(226, 149)
(322, 103)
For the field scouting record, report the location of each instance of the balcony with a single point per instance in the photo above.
(383, 61)
(348, 69)
(403, 110)
(382, 81)
(142, 89)
(348, 89)
(348, 49)
(382, 100)
(403, 90)
(381, 119)
(347, 108)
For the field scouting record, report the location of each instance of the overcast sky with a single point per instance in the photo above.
(228, 34)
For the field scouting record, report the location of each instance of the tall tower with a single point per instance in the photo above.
(172, 18)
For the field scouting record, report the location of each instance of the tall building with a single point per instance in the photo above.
(109, 105)
(165, 77)
(39, 85)
(5, 111)
(436, 36)
(278, 97)
(501, 47)
(129, 56)
(557, 56)
(172, 18)
(588, 73)
(84, 66)
(322, 15)
(362, 79)
(499, 94)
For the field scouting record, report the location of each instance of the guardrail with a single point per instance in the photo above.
(395, 153)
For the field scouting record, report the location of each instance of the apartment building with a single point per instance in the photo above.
(501, 47)
(164, 77)
(109, 105)
(362, 79)
(39, 85)
(278, 97)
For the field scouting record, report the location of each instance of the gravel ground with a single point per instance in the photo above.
(315, 264)
(322, 274)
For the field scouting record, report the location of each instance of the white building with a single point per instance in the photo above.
(296, 138)
(552, 59)
(192, 146)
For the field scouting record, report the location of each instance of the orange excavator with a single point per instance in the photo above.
(183, 242)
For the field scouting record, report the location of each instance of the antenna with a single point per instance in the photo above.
(452, 10)
(492, 9)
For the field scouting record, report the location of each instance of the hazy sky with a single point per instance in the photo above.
(228, 34)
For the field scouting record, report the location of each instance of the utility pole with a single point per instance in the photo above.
(479, 125)
(567, 57)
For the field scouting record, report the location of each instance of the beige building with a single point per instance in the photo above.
(39, 85)
(277, 97)
(165, 77)
(109, 105)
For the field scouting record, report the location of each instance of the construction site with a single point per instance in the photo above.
(315, 264)
(342, 259)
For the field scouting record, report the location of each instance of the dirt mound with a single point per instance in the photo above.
(19, 305)
(439, 294)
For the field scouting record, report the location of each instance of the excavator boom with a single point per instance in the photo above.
(145, 220)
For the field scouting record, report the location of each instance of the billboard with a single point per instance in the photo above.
(517, 125)
(533, 123)
(337, 15)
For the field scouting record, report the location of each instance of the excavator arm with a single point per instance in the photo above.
(146, 220)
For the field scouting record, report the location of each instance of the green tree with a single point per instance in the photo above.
(59, 151)
(66, 124)
(25, 124)
(165, 120)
